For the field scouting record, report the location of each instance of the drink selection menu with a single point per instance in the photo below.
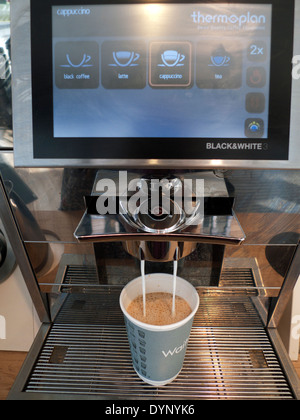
(209, 78)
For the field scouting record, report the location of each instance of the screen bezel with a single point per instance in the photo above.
(45, 146)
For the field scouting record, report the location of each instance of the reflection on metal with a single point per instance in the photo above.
(214, 229)
(159, 251)
(29, 228)
(59, 204)
(286, 290)
(18, 247)
(202, 216)
(8, 259)
(166, 215)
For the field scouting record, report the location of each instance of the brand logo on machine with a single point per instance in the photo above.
(73, 12)
(2, 328)
(176, 350)
(239, 20)
(237, 146)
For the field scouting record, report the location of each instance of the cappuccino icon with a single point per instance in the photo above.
(220, 60)
(125, 58)
(172, 58)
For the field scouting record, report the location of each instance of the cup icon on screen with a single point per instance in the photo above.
(220, 60)
(172, 58)
(125, 58)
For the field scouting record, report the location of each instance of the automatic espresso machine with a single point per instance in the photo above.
(157, 132)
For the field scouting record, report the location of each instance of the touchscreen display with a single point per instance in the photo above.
(161, 71)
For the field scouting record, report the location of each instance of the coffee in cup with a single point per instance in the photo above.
(159, 309)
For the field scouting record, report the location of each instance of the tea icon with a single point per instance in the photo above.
(220, 60)
(172, 58)
(125, 58)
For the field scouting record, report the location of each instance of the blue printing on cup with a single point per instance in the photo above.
(161, 354)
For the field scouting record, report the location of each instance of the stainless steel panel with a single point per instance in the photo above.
(23, 116)
(213, 229)
(267, 202)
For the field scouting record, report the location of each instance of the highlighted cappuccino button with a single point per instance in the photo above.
(170, 65)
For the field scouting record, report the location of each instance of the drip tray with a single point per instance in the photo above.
(86, 354)
(220, 363)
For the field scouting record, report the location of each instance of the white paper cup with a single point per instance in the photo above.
(158, 351)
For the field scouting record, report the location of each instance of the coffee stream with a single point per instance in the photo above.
(175, 266)
(144, 286)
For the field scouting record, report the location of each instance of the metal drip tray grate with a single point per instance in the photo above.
(220, 363)
(237, 277)
(103, 308)
(78, 277)
(84, 278)
(76, 273)
(87, 353)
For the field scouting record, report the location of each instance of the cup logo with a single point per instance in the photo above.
(83, 63)
(172, 58)
(220, 60)
(176, 350)
(125, 58)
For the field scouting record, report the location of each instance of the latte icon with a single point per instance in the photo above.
(125, 58)
(172, 58)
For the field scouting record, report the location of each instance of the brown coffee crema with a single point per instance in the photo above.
(159, 309)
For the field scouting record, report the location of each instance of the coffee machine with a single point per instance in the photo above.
(155, 132)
